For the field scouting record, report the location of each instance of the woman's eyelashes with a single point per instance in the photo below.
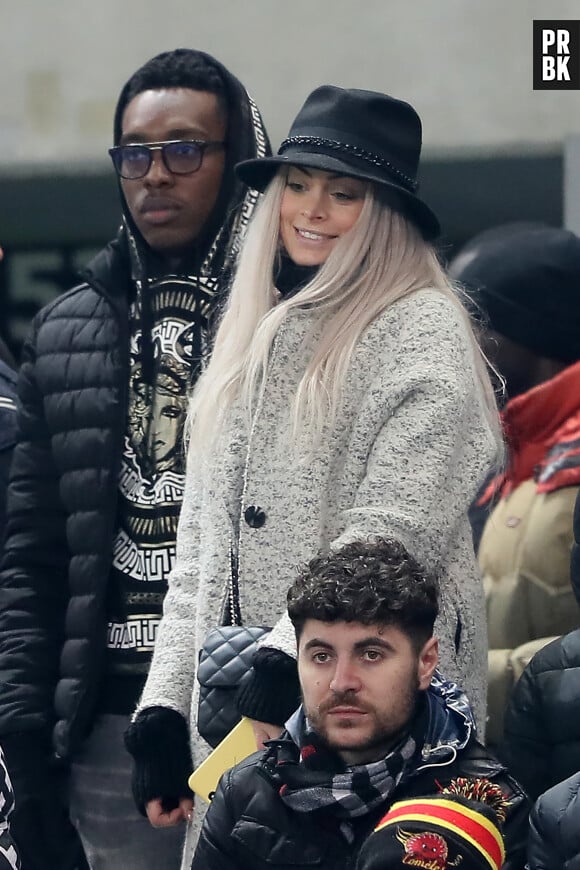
(296, 186)
(344, 195)
(340, 194)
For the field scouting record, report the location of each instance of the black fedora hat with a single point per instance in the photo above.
(363, 134)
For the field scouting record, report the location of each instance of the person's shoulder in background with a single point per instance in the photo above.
(554, 841)
(8, 429)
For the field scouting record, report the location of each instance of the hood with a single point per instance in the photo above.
(450, 720)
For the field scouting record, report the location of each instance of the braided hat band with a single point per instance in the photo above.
(354, 151)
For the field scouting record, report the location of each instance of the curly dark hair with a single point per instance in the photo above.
(373, 582)
(181, 68)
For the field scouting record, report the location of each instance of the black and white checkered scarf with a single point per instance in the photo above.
(319, 779)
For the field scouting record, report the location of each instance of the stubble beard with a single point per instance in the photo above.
(376, 743)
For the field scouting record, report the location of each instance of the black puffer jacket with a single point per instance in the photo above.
(248, 827)
(554, 842)
(542, 724)
(61, 513)
(72, 389)
(7, 431)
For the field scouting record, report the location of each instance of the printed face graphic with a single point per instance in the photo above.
(168, 415)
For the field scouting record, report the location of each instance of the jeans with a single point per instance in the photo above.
(114, 834)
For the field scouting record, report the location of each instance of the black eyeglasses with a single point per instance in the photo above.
(180, 156)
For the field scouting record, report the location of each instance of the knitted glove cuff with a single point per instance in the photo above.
(158, 740)
(271, 691)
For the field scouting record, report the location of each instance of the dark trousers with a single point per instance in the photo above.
(42, 830)
(114, 834)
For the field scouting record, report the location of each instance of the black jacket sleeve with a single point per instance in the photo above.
(33, 572)
(554, 841)
(33, 597)
(526, 750)
(5, 460)
(7, 435)
(543, 852)
(515, 829)
(215, 847)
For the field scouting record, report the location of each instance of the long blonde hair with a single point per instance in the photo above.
(382, 259)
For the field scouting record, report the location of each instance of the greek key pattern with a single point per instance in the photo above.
(167, 490)
(147, 565)
(138, 634)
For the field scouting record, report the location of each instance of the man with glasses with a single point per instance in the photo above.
(97, 477)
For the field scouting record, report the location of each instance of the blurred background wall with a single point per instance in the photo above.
(493, 146)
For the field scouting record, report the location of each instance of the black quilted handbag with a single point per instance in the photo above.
(225, 660)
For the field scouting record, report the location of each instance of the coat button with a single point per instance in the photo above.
(254, 516)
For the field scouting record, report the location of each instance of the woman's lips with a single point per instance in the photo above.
(313, 237)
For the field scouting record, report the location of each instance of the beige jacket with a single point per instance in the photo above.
(524, 555)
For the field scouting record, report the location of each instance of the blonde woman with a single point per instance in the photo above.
(346, 397)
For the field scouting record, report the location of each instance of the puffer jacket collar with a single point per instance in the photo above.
(109, 273)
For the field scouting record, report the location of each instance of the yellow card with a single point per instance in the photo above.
(238, 744)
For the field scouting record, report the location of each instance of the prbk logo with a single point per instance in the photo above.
(556, 55)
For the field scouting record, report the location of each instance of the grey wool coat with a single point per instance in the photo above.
(408, 450)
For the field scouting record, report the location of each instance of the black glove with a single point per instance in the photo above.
(271, 691)
(158, 740)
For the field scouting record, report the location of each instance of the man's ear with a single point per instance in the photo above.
(428, 660)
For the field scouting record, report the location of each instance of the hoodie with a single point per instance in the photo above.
(171, 316)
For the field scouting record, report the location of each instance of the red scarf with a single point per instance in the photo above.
(542, 431)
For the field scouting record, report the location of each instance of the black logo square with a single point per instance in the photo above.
(556, 55)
